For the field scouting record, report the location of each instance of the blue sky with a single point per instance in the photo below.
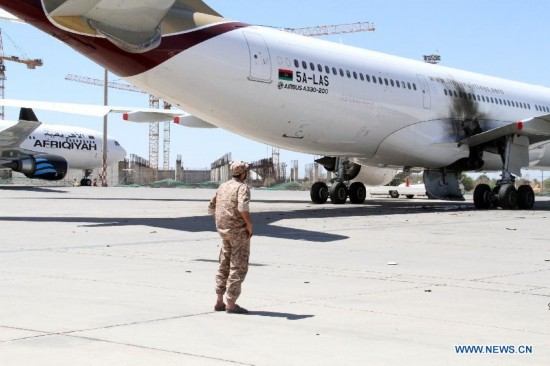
(502, 38)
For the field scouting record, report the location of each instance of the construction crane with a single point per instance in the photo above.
(153, 126)
(325, 30)
(31, 64)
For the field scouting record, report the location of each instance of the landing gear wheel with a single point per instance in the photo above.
(319, 193)
(410, 196)
(507, 196)
(85, 182)
(482, 197)
(394, 194)
(338, 193)
(525, 197)
(357, 193)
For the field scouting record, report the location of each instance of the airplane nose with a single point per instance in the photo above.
(120, 153)
(116, 152)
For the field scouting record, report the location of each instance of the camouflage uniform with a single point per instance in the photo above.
(232, 198)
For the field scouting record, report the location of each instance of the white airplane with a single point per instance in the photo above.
(368, 113)
(47, 151)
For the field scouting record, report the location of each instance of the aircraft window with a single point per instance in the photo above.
(483, 98)
(327, 69)
(414, 86)
(355, 75)
(361, 76)
(399, 86)
(391, 82)
(409, 86)
(374, 79)
(341, 72)
(116, 143)
(479, 98)
(386, 81)
(296, 63)
(334, 71)
(380, 80)
(320, 68)
(312, 66)
(304, 65)
(368, 78)
(348, 73)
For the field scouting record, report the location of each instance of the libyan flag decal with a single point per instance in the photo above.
(287, 75)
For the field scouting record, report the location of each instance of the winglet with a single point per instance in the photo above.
(27, 114)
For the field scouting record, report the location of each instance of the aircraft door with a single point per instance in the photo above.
(425, 91)
(260, 60)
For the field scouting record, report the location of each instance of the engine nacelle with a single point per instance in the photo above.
(48, 167)
(372, 176)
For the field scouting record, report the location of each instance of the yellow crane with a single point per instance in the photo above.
(31, 64)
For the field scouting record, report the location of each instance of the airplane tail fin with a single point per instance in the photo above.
(27, 114)
(125, 23)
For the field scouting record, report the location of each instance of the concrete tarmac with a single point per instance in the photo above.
(125, 276)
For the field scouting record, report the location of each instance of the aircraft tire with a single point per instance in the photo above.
(410, 196)
(394, 194)
(357, 193)
(482, 194)
(319, 193)
(507, 196)
(525, 197)
(338, 193)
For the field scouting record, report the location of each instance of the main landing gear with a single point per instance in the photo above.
(505, 194)
(339, 191)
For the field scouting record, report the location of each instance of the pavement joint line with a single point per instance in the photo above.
(162, 350)
(411, 316)
(72, 332)
(73, 335)
(105, 281)
(513, 274)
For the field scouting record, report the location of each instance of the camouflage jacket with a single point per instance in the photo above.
(232, 198)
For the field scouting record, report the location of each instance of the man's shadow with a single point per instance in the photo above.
(272, 314)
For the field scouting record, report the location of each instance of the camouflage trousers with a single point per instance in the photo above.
(233, 268)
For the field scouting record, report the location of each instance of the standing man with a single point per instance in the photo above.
(230, 209)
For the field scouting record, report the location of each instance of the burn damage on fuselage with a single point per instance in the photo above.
(468, 121)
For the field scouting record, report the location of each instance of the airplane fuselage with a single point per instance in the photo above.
(315, 96)
(81, 147)
(330, 99)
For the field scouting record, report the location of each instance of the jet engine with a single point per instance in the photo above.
(48, 167)
(372, 176)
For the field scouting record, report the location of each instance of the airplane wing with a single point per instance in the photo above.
(141, 114)
(135, 26)
(536, 128)
(12, 137)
